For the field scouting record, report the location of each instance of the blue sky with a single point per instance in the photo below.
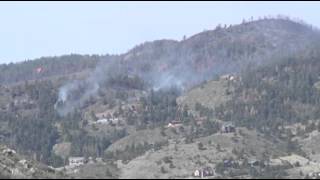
(30, 30)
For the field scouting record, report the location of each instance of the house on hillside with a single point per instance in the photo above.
(314, 175)
(99, 160)
(205, 172)
(229, 163)
(208, 171)
(228, 127)
(200, 120)
(76, 161)
(102, 121)
(91, 160)
(174, 124)
(228, 77)
(25, 164)
(197, 173)
(8, 152)
(109, 121)
(255, 163)
(105, 115)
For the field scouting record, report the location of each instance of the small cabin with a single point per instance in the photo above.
(228, 163)
(91, 160)
(205, 172)
(227, 77)
(197, 173)
(314, 175)
(25, 164)
(9, 152)
(107, 121)
(102, 121)
(228, 128)
(256, 163)
(200, 120)
(76, 161)
(174, 124)
(100, 160)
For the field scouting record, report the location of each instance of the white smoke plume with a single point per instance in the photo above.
(167, 63)
(70, 98)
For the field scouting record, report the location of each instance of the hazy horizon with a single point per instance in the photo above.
(35, 29)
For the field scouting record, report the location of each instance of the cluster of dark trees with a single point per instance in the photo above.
(159, 106)
(35, 133)
(126, 81)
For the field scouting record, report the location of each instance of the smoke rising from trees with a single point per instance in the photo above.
(184, 64)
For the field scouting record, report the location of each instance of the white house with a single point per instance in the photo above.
(106, 121)
(76, 161)
(228, 127)
(197, 173)
(24, 163)
(102, 121)
(174, 125)
(9, 151)
(228, 77)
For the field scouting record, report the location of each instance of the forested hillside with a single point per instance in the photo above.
(221, 98)
(277, 95)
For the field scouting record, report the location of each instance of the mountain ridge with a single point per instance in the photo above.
(222, 45)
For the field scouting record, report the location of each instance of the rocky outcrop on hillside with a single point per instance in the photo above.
(13, 165)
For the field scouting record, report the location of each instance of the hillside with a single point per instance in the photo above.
(46, 67)
(210, 94)
(13, 165)
(197, 58)
(243, 100)
(219, 51)
(180, 159)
